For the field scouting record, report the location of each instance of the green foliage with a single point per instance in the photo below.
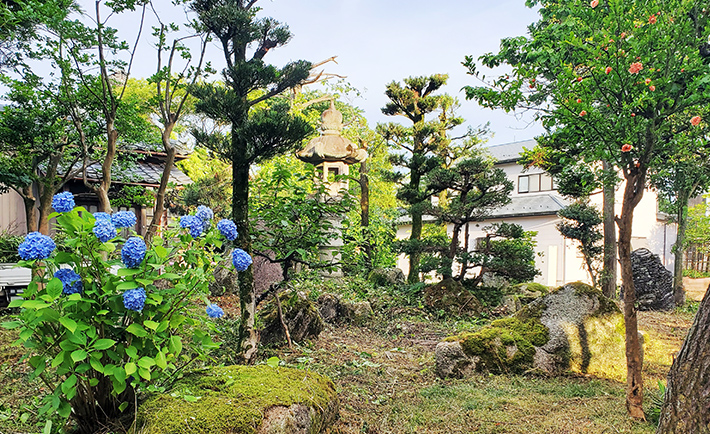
(92, 351)
(580, 222)
(131, 195)
(698, 231)
(379, 234)
(8, 247)
(294, 216)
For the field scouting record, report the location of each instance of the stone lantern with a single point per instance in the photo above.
(331, 153)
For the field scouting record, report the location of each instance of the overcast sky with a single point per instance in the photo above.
(378, 41)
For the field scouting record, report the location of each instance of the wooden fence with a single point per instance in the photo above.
(697, 257)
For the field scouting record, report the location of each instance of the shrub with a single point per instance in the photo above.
(98, 329)
(8, 247)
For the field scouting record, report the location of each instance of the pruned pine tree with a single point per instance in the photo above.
(580, 222)
(420, 145)
(474, 188)
(255, 134)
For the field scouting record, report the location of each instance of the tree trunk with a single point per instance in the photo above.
(28, 198)
(608, 277)
(164, 179)
(365, 213)
(634, 380)
(101, 190)
(248, 338)
(686, 407)
(678, 289)
(415, 255)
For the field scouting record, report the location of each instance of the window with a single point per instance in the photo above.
(535, 183)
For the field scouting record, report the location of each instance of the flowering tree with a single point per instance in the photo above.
(613, 81)
(100, 330)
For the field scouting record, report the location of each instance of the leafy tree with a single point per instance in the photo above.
(612, 81)
(580, 222)
(475, 187)
(255, 135)
(421, 144)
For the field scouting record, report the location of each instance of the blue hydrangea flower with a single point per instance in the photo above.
(102, 215)
(124, 219)
(63, 202)
(228, 229)
(134, 299)
(133, 252)
(214, 311)
(71, 281)
(104, 230)
(241, 259)
(36, 246)
(204, 213)
(194, 224)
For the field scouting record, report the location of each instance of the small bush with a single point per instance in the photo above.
(8, 247)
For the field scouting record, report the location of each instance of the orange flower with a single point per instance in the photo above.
(583, 113)
(579, 78)
(635, 67)
(652, 88)
(633, 115)
(695, 121)
(594, 3)
(623, 35)
(579, 100)
(626, 148)
(648, 81)
(608, 69)
(652, 19)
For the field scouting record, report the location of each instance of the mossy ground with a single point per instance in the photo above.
(231, 399)
(384, 377)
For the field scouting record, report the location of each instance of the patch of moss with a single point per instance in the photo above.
(607, 306)
(532, 311)
(529, 286)
(232, 399)
(507, 345)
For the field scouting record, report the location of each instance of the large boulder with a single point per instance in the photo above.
(333, 309)
(241, 400)
(386, 276)
(653, 282)
(574, 327)
(300, 315)
(451, 298)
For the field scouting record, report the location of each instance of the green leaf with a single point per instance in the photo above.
(16, 303)
(160, 251)
(130, 368)
(160, 360)
(64, 409)
(163, 326)
(169, 276)
(119, 386)
(151, 324)
(11, 324)
(74, 297)
(98, 367)
(69, 323)
(102, 312)
(93, 382)
(69, 383)
(78, 355)
(137, 330)
(34, 304)
(126, 285)
(63, 258)
(47, 427)
(104, 344)
(273, 362)
(146, 362)
(190, 398)
(175, 345)
(144, 282)
(132, 352)
(144, 373)
(58, 359)
(54, 288)
(122, 407)
(128, 271)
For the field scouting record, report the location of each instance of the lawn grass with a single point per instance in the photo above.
(385, 380)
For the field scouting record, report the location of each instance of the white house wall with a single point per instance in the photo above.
(12, 213)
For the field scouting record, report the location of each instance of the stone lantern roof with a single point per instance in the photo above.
(331, 146)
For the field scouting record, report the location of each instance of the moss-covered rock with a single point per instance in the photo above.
(242, 400)
(574, 327)
(451, 298)
(300, 315)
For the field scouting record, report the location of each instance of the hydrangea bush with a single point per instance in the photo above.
(108, 318)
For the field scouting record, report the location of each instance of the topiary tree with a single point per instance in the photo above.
(580, 222)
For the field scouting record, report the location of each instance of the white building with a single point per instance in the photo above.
(534, 205)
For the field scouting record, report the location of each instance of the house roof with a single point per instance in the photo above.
(532, 205)
(510, 152)
(140, 173)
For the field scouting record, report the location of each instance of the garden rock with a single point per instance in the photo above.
(451, 298)
(653, 282)
(225, 280)
(243, 399)
(300, 315)
(386, 276)
(333, 309)
(574, 327)
(451, 361)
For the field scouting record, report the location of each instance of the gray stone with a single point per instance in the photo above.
(451, 361)
(225, 280)
(653, 282)
(387, 276)
(451, 298)
(335, 310)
